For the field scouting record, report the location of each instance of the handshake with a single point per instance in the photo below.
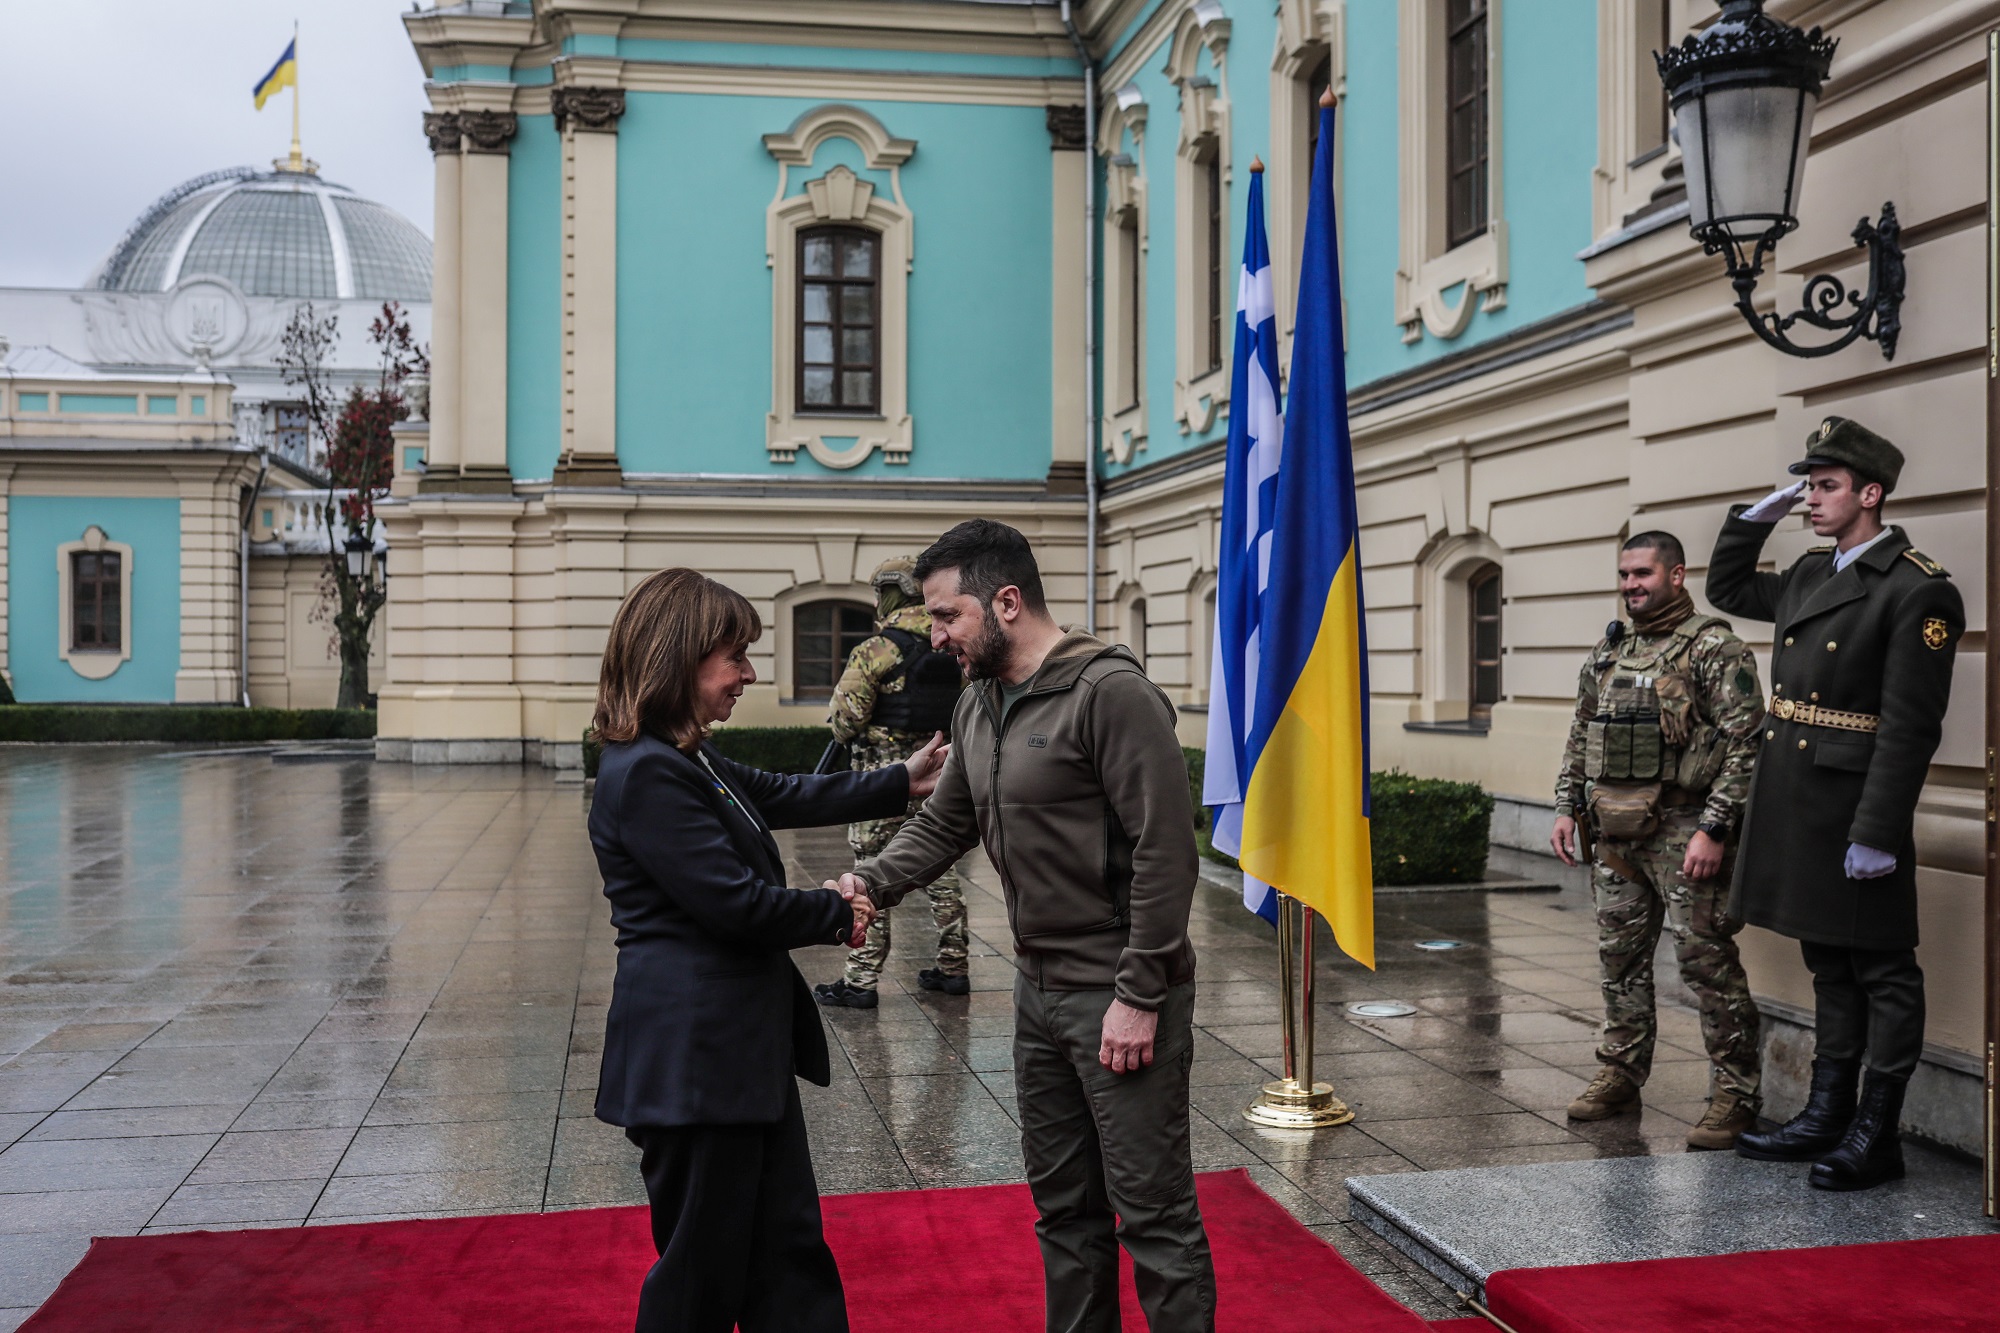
(850, 888)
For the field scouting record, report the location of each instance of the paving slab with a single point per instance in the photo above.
(1464, 1226)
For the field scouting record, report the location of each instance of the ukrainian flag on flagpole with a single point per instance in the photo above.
(1297, 661)
(284, 74)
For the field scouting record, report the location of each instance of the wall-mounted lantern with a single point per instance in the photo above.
(1743, 95)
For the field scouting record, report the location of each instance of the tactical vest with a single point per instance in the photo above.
(1648, 734)
(931, 682)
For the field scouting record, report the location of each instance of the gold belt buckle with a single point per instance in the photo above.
(1782, 709)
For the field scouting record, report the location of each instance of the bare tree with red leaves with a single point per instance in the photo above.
(359, 461)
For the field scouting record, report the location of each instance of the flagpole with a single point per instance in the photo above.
(1296, 1101)
(298, 161)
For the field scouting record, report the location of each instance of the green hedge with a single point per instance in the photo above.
(774, 749)
(1427, 830)
(85, 722)
(1421, 830)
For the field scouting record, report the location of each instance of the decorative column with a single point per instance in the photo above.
(442, 457)
(1068, 161)
(482, 302)
(587, 120)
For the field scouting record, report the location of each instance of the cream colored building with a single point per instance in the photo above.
(1540, 364)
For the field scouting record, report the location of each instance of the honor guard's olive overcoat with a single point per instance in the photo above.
(1873, 643)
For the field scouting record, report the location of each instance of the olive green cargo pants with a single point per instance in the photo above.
(1109, 1162)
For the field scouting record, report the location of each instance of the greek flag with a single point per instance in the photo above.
(1288, 708)
(1249, 503)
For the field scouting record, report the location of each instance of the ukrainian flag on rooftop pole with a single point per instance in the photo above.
(1288, 711)
(284, 74)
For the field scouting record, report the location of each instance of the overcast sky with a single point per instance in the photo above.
(107, 104)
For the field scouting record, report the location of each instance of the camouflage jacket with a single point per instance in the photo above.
(1727, 697)
(873, 660)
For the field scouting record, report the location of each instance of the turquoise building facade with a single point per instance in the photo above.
(625, 362)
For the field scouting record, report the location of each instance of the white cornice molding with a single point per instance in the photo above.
(860, 85)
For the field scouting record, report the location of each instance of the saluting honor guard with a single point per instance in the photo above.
(1861, 661)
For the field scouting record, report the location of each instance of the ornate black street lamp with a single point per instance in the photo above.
(1743, 95)
(360, 552)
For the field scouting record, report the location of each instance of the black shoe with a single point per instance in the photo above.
(842, 995)
(1815, 1131)
(951, 983)
(1872, 1151)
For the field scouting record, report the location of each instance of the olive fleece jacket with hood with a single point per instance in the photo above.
(1080, 797)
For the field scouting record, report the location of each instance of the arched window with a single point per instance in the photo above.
(840, 354)
(1482, 604)
(823, 634)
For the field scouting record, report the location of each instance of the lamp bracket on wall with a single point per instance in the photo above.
(1826, 302)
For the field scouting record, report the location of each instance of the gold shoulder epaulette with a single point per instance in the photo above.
(1818, 550)
(1925, 563)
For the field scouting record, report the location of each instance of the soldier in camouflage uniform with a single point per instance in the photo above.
(895, 677)
(1656, 773)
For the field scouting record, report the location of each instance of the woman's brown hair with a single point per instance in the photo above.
(663, 630)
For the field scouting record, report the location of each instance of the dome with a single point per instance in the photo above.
(272, 233)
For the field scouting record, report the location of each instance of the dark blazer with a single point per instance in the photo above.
(1878, 637)
(709, 1019)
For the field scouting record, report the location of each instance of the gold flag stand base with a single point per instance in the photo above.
(1287, 1104)
(1295, 1101)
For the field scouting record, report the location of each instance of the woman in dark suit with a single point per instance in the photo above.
(709, 1019)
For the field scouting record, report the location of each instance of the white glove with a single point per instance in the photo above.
(1868, 863)
(1775, 505)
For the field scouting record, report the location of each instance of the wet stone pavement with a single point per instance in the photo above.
(239, 993)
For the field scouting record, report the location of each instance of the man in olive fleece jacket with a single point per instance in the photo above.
(1064, 763)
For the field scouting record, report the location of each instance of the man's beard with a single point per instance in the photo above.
(987, 654)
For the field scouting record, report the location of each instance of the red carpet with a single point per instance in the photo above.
(1915, 1286)
(964, 1260)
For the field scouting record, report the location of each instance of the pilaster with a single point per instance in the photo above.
(210, 594)
(487, 137)
(587, 119)
(447, 359)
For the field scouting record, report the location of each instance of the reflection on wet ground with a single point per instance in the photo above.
(239, 993)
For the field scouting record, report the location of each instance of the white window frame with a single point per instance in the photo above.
(1628, 85)
(1428, 268)
(1307, 31)
(1197, 66)
(1121, 143)
(99, 663)
(840, 197)
(1447, 616)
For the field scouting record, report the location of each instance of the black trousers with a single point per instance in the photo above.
(1868, 1002)
(736, 1221)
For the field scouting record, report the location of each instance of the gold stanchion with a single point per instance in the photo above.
(1295, 1101)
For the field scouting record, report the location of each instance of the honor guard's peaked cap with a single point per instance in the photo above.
(1838, 442)
(898, 571)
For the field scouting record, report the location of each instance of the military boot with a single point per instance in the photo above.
(1728, 1115)
(1815, 1130)
(843, 996)
(1611, 1093)
(1872, 1151)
